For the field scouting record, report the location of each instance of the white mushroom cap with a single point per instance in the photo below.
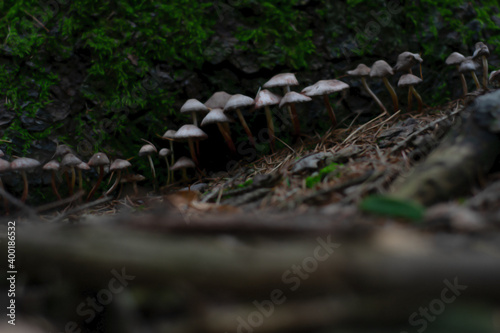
(70, 160)
(98, 159)
(480, 50)
(193, 105)
(381, 68)
(83, 166)
(218, 100)
(5, 165)
(360, 70)
(238, 101)
(408, 80)
(467, 65)
(325, 87)
(147, 150)
(183, 163)
(407, 60)
(132, 178)
(266, 98)
(190, 132)
(455, 59)
(170, 134)
(62, 150)
(281, 80)
(164, 152)
(494, 76)
(294, 97)
(215, 116)
(119, 164)
(24, 163)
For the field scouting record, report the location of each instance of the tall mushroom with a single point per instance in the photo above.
(455, 59)
(482, 51)
(237, 102)
(148, 150)
(117, 165)
(183, 163)
(71, 161)
(82, 166)
(495, 77)
(285, 80)
(325, 88)
(194, 106)
(362, 71)
(23, 165)
(132, 179)
(409, 80)
(170, 136)
(468, 65)
(382, 69)
(98, 160)
(291, 98)
(264, 99)
(164, 152)
(217, 116)
(191, 134)
(53, 166)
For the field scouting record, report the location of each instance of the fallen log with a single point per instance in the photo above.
(466, 153)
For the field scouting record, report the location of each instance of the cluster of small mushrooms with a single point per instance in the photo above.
(220, 105)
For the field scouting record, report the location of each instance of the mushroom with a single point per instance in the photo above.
(325, 88)
(117, 165)
(98, 160)
(164, 152)
(285, 80)
(382, 69)
(191, 133)
(170, 136)
(53, 166)
(23, 165)
(132, 179)
(148, 150)
(193, 106)
(71, 161)
(218, 100)
(456, 59)
(4, 167)
(62, 150)
(468, 65)
(183, 163)
(236, 102)
(363, 71)
(406, 61)
(291, 98)
(481, 50)
(80, 167)
(217, 116)
(495, 77)
(265, 98)
(409, 80)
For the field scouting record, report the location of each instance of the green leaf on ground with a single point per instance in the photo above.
(389, 206)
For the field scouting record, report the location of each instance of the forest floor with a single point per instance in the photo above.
(240, 252)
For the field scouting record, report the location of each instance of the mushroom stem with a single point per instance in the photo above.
(329, 108)
(171, 158)
(5, 201)
(115, 184)
(25, 190)
(153, 170)
(99, 180)
(419, 99)
(410, 99)
(80, 180)
(372, 94)
(227, 138)
(53, 184)
(169, 171)
(184, 175)
(245, 127)
(476, 81)
(270, 126)
(191, 150)
(393, 94)
(464, 82)
(293, 114)
(195, 119)
(485, 72)
(73, 180)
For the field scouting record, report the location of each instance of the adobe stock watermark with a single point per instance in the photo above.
(372, 29)
(437, 306)
(293, 278)
(89, 308)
